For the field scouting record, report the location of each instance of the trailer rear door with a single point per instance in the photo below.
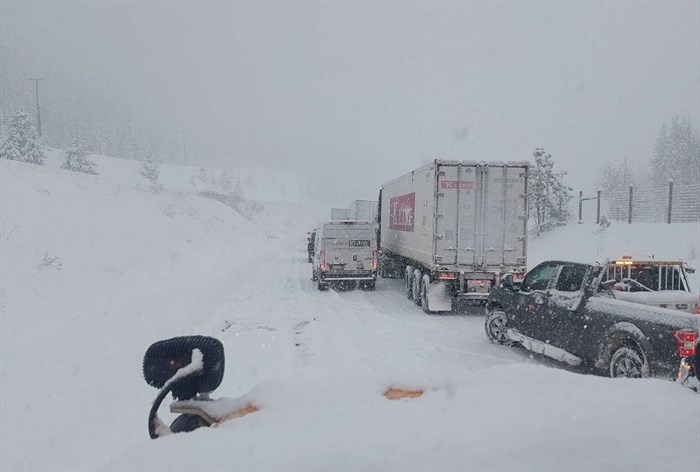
(455, 215)
(504, 215)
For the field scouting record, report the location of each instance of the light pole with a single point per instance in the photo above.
(184, 147)
(38, 109)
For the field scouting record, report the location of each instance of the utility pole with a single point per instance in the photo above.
(38, 109)
(184, 147)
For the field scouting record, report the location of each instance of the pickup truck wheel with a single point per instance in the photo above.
(627, 362)
(495, 326)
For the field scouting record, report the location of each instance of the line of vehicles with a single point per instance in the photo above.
(456, 232)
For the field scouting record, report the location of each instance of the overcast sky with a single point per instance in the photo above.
(358, 93)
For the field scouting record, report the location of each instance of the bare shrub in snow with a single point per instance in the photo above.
(604, 223)
(51, 261)
(615, 176)
(76, 160)
(150, 169)
(20, 141)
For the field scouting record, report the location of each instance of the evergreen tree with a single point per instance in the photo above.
(548, 196)
(20, 141)
(676, 153)
(203, 175)
(226, 180)
(76, 159)
(150, 168)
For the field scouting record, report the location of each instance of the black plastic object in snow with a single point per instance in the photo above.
(164, 358)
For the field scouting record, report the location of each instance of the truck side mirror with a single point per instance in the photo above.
(508, 282)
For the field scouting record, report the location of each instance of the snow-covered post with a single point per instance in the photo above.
(597, 210)
(670, 200)
(629, 210)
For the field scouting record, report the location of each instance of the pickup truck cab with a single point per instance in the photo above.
(564, 311)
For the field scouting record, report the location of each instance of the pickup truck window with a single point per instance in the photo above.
(538, 278)
(571, 278)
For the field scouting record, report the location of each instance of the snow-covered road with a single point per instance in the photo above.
(293, 329)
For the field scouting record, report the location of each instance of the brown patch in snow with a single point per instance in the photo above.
(239, 413)
(395, 393)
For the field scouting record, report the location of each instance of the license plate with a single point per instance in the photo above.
(358, 242)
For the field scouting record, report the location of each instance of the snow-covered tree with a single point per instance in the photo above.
(203, 177)
(238, 188)
(615, 176)
(76, 160)
(150, 168)
(20, 141)
(226, 179)
(676, 153)
(548, 196)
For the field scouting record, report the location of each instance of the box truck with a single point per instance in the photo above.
(453, 229)
(345, 251)
(364, 210)
(339, 214)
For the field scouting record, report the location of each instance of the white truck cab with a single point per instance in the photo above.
(345, 251)
(662, 283)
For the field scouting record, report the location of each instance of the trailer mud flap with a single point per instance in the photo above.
(439, 296)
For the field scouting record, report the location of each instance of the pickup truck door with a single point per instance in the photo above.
(529, 314)
(564, 322)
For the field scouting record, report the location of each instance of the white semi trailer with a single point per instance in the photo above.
(452, 229)
(363, 210)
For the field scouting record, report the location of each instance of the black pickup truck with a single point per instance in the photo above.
(565, 311)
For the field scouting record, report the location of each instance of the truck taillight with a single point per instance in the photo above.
(447, 276)
(697, 307)
(685, 342)
(375, 260)
(322, 259)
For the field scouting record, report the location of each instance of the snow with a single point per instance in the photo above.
(663, 297)
(195, 365)
(96, 268)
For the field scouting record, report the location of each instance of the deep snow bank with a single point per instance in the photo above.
(95, 268)
(516, 417)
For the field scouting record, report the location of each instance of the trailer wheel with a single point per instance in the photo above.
(322, 286)
(409, 282)
(417, 276)
(425, 302)
(313, 276)
(367, 285)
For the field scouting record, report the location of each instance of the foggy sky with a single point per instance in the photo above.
(354, 94)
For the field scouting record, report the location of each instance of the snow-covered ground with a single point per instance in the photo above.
(95, 268)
